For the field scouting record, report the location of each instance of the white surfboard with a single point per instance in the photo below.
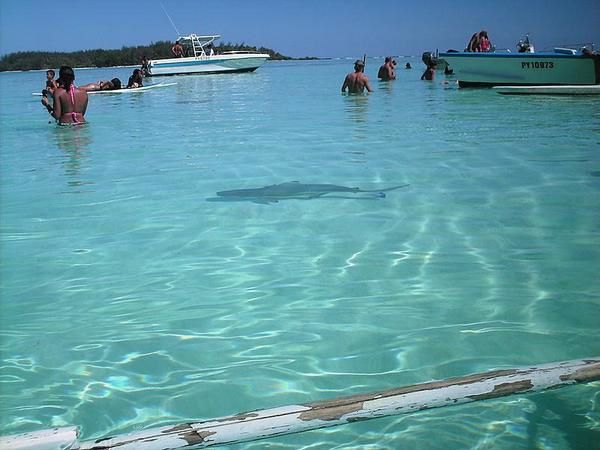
(124, 90)
(593, 89)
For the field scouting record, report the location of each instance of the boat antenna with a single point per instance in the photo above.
(169, 17)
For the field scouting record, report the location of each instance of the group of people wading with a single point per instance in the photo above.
(356, 82)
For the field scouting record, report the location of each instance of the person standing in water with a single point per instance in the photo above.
(70, 103)
(386, 71)
(429, 72)
(356, 82)
(51, 83)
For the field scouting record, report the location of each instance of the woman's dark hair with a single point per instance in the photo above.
(66, 77)
(137, 76)
(116, 83)
(51, 72)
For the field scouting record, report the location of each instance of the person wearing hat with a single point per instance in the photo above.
(356, 82)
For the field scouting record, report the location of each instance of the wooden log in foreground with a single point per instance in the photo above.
(296, 418)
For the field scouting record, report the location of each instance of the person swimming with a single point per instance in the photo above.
(70, 103)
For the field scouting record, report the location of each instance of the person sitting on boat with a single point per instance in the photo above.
(473, 45)
(70, 103)
(484, 42)
(356, 82)
(177, 50)
(135, 80)
(107, 85)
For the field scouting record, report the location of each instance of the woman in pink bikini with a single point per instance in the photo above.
(70, 103)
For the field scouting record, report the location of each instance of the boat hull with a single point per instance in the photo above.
(521, 69)
(549, 90)
(207, 64)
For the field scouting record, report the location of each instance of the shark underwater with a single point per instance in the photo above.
(294, 190)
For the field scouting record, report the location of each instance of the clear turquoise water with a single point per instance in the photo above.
(129, 301)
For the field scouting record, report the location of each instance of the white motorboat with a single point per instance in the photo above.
(563, 66)
(199, 58)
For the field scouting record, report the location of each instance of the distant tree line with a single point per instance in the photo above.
(126, 56)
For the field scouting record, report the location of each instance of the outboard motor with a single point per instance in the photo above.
(524, 46)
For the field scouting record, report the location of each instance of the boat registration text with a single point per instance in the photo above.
(537, 65)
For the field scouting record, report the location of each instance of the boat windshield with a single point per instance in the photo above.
(197, 46)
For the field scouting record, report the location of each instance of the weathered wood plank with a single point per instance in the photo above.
(297, 418)
(64, 438)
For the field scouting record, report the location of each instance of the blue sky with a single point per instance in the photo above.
(298, 27)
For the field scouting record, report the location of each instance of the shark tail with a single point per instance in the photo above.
(393, 188)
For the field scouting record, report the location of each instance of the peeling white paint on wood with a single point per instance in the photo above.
(296, 418)
(64, 438)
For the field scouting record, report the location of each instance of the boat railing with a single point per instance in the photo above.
(579, 46)
(260, 424)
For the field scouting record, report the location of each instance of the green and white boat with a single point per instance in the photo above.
(563, 66)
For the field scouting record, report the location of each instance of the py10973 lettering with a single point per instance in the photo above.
(537, 65)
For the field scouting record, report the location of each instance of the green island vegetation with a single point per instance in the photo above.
(126, 56)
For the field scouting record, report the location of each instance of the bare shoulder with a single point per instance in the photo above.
(59, 92)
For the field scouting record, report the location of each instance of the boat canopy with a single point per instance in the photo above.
(197, 45)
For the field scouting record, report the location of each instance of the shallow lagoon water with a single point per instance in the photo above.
(128, 300)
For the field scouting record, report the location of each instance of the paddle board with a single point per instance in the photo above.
(124, 90)
(593, 89)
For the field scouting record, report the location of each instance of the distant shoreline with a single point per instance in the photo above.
(126, 56)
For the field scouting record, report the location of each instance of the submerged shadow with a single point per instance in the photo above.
(294, 190)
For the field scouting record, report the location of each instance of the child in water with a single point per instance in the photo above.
(51, 84)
